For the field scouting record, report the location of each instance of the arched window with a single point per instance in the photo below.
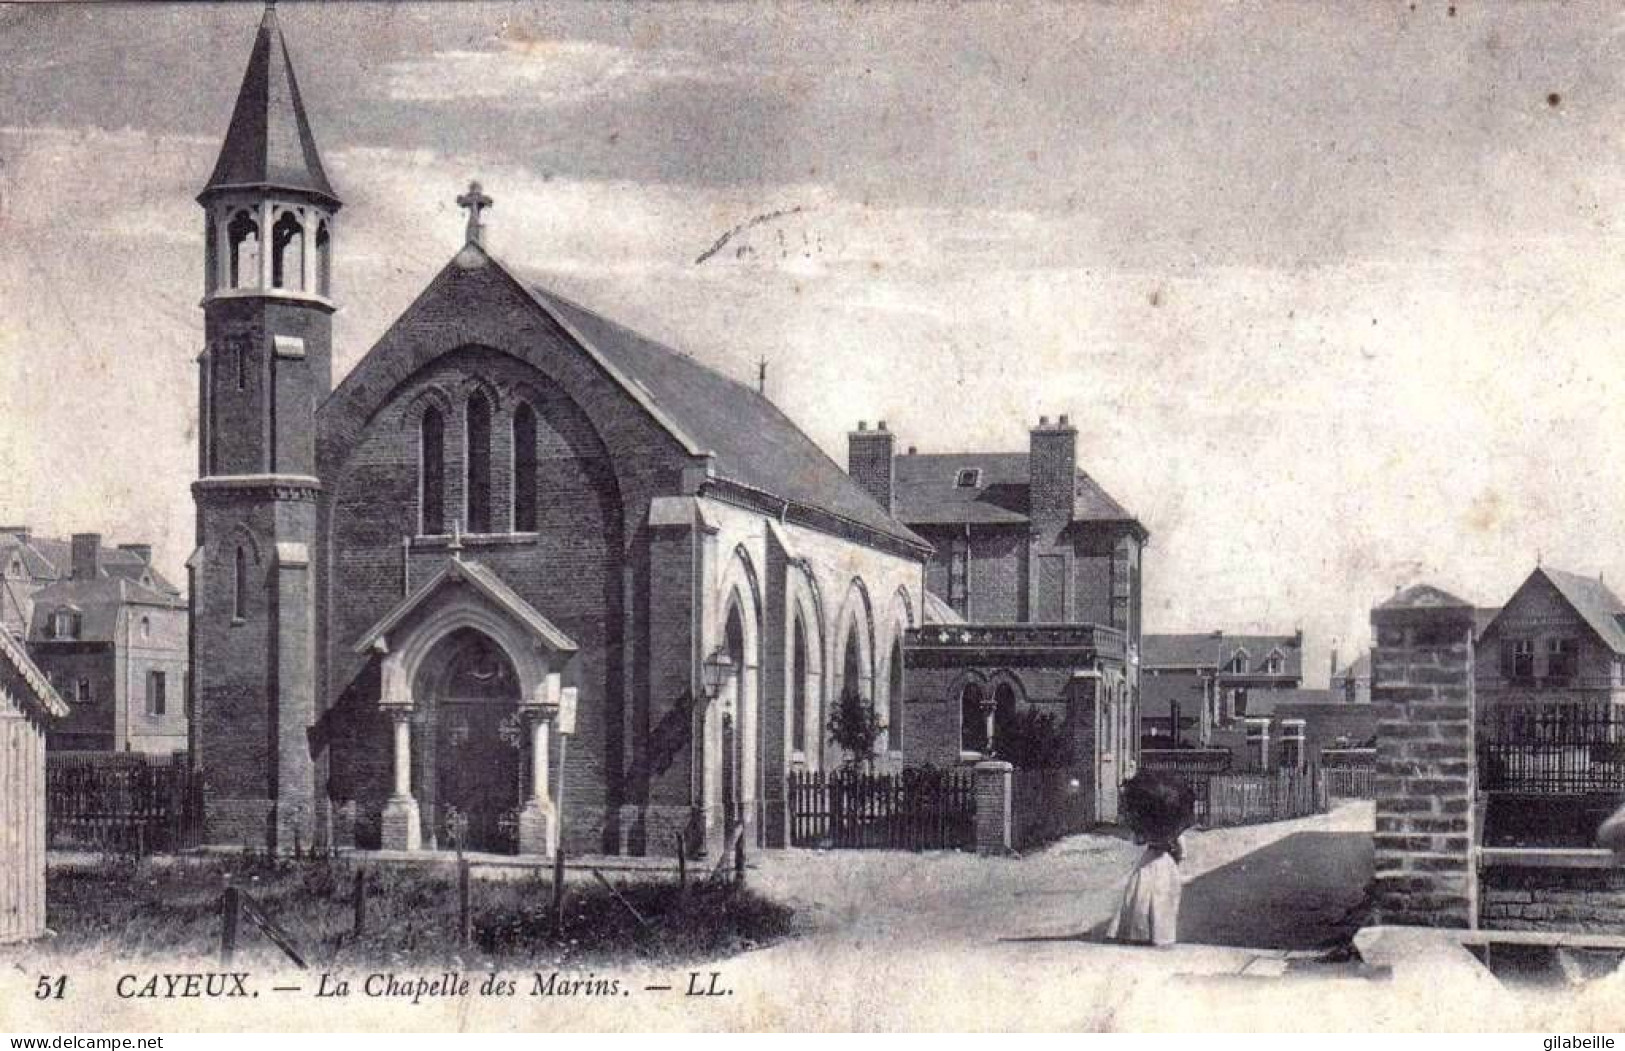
(894, 701)
(477, 486)
(798, 687)
(324, 262)
(972, 720)
(288, 253)
(243, 237)
(431, 472)
(146, 627)
(851, 667)
(211, 255)
(524, 469)
(239, 586)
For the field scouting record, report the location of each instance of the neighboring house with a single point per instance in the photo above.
(1560, 638)
(1549, 674)
(1213, 681)
(1043, 567)
(28, 707)
(112, 637)
(29, 563)
(510, 507)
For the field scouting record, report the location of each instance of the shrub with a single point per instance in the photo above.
(854, 726)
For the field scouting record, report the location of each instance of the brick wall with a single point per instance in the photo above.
(1550, 898)
(1422, 694)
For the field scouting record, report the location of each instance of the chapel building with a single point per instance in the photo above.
(524, 576)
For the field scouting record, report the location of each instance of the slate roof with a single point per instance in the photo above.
(926, 491)
(1259, 647)
(269, 143)
(50, 558)
(754, 443)
(1596, 604)
(98, 603)
(1199, 650)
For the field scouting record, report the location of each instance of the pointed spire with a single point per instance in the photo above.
(269, 143)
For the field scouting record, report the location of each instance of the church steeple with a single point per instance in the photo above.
(269, 144)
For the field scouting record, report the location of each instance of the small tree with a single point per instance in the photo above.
(854, 726)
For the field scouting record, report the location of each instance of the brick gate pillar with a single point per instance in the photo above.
(1422, 693)
(993, 784)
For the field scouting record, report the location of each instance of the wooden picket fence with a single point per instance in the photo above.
(133, 804)
(917, 809)
(1254, 798)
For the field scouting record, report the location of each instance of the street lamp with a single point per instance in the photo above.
(716, 671)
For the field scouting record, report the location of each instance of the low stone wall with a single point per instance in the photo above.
(1553, 898)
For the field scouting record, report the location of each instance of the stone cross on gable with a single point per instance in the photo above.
(476, 202)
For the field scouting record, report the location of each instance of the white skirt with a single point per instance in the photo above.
(1150, 909)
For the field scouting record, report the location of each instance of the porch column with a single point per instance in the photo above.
(402, 827)
(538, 818)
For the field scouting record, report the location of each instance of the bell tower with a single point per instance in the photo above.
(267, 364)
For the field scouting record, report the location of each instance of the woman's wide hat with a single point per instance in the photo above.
(1158, 805)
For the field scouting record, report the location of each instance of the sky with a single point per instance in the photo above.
(1333, 292)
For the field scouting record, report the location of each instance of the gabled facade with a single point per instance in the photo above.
(1559, 638)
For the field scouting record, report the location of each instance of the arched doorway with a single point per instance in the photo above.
(474, 763)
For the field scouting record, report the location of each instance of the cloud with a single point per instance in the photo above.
(541, 73)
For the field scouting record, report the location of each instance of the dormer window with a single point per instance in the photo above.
(65, 624)
(1239, 663)
(1275, 664)
(968, 478)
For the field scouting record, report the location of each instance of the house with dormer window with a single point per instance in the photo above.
(110, 635)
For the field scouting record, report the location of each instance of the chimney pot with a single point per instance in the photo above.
(881, 425)
(912, 449)
(1043, 421)
(863, 425)
(1063, 419)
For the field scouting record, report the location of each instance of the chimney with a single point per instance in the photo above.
(21, 532)
(869, 461)
(87, 552)
(1052, 470)
(141, 551)
(1334, 665)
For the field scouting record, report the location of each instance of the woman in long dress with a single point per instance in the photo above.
(1157, 808)
(1150, 910)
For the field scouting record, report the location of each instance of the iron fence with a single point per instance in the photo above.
(110, 801)
(1568, 748)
